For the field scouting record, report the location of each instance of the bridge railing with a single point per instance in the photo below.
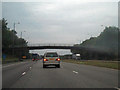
(52, 44)
(43, 44)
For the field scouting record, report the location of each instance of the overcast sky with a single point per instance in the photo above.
(64, 21)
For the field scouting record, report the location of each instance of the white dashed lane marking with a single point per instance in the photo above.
(75, 72)
(23, 73)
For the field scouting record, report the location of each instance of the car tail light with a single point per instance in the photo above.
(45, 59)
(58, 59)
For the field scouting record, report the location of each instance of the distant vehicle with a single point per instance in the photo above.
(76, 56)
(51, 58)
(35, 57)
(24, 57)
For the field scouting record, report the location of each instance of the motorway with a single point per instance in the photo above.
(31, 75)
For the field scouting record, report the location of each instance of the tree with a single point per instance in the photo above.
(9, 38)
(105, 46)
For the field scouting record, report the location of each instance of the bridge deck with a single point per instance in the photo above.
(45, 46)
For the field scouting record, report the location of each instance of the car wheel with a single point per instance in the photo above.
(44, 66)
(58, 66)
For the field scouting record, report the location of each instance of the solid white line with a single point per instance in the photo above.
(23, 73)
(12, 65)
(117, 88)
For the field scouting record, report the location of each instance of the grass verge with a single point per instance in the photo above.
(100, 63)
(10, 59)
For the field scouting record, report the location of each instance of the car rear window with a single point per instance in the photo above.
(51, 55)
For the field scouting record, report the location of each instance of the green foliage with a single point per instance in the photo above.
(105, 46)
(9, 38)
(107, 64)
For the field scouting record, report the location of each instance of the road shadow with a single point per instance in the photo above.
(50, 67)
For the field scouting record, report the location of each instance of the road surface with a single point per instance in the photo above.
(32, 75)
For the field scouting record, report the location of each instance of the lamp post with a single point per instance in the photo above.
(22, 33)
(14, 25)
(22, 52)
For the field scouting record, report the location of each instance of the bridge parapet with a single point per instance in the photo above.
(51, 44)
(46, 46)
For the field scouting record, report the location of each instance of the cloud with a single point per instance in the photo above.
(56, 21)
(65, 1)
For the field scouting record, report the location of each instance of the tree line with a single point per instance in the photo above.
(103, 47)
(10, 39)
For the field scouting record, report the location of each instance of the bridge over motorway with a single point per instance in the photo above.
(50, 46)
(45, 46)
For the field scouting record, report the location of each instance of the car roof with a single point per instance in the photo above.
(49, 52)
